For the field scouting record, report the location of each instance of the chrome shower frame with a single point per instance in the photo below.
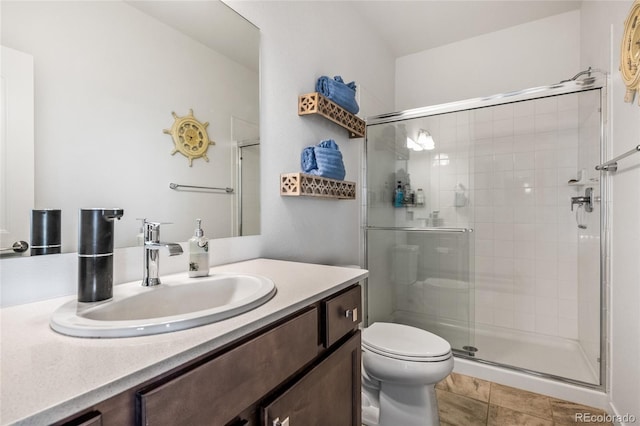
(595, 80)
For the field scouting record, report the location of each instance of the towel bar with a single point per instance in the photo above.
(177, 186)
(612, 165)
(435, 230)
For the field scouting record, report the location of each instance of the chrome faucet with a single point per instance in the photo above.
(585, 201)
(152, 245)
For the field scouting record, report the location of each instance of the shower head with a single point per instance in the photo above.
(586, 81)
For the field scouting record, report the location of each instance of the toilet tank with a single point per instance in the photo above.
(405, 264)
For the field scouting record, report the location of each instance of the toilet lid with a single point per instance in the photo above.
(403, 341)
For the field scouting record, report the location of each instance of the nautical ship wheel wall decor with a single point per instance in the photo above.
(189, 137)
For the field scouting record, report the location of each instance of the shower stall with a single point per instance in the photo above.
(485, 224)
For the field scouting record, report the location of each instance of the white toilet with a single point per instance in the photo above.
(400, 367)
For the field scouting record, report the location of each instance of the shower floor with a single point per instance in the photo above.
(545, 354)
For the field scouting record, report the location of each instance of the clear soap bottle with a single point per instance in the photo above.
(198, 253)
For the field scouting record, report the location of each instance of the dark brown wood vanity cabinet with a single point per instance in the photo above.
(301, 371)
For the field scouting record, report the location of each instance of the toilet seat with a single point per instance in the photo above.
(406, 343)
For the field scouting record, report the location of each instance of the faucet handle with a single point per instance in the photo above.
(587, 200)
(152, 224)
(151, 230)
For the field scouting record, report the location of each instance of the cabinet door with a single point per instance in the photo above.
(215, 392)
(329, 394)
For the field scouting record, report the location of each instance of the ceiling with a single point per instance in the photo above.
(405, 26)
(412, 26)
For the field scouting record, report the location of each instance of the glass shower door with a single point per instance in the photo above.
(420, 249)
(422, 278)
(484, 225)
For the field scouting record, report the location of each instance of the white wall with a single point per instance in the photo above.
(296, 49)
(302, 41)
(602, 25)
(529, 55)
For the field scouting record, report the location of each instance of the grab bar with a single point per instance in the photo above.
(176, 186)
(612, 165)
(436, 230)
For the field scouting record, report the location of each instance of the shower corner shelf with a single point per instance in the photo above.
(315, 103)
(300, 184)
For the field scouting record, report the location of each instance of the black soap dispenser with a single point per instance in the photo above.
(95, 253)
(46, 231)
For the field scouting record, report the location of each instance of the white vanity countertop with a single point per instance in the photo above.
(46, 376)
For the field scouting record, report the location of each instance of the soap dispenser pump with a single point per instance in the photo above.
(198, 253)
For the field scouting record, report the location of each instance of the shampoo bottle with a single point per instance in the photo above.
(198, 253)
(398, 196)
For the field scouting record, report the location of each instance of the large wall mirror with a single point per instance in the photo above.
(108, 78)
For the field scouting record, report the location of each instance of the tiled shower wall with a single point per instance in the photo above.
(515, 161)
(526, 240)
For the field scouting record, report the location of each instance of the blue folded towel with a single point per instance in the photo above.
(324, 159)
(308, 159)
(339, 92)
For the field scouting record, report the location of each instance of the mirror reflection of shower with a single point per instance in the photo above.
(246, 174)
(248, 204)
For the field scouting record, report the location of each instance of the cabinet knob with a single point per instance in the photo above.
(284, 422)
(352, 313)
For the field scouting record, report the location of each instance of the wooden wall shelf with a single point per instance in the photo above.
(315, 103)
(301, 184)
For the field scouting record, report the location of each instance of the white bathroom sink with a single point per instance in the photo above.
(176, 304)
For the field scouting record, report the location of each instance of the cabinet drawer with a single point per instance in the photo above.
(93, 418)
(341, 314)
(215, 392)
(329, 394)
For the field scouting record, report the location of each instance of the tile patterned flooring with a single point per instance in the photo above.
(468, 401)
